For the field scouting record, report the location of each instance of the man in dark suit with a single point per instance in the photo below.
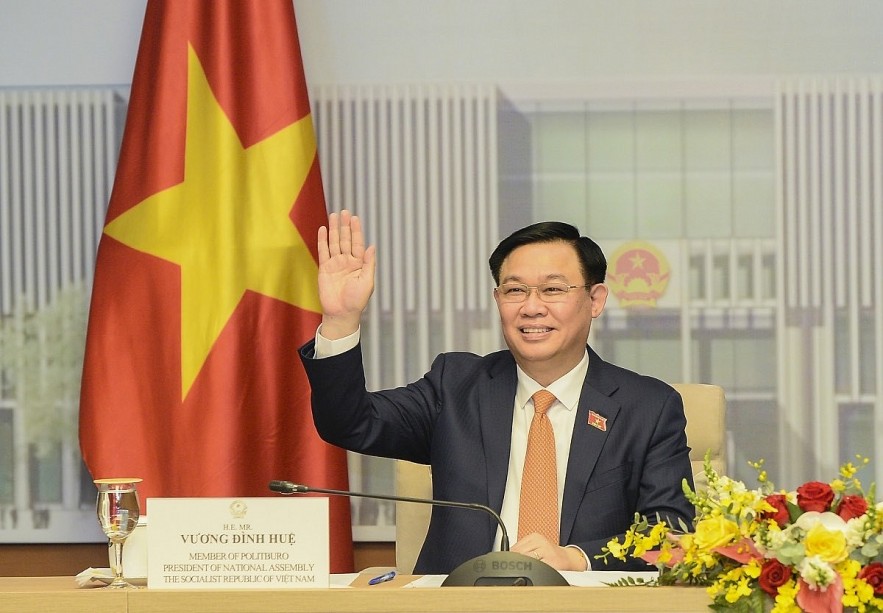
(616, 438)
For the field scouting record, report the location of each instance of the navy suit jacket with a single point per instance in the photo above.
(458, 419)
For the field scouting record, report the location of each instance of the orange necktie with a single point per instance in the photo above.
(538, 508)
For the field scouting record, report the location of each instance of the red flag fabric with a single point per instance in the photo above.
(205, 282)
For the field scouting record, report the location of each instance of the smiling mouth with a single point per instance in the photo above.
(535, 330)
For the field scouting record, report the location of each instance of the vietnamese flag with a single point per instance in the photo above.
(205, 281)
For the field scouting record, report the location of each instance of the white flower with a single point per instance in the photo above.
(830, 521)
(856, 531)
(731, 485)
(816, 572)
(775, 539)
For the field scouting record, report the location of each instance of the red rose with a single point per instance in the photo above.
(773, 574)
(815, 496)
(781, 514)
(852, 506)
(872, 574)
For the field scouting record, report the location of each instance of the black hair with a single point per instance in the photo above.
(591, 258)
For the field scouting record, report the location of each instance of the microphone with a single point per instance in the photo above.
(502, 567)
(287, 487)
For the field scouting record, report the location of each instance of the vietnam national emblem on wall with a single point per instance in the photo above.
(638, 274)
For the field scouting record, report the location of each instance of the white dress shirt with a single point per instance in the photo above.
(562, 415)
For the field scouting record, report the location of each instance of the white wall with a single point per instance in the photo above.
(510, 42)
(564, 40)
(75, 42)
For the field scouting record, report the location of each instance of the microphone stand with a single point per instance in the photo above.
(286, 487)
(502, 567)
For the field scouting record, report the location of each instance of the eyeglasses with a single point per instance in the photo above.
(548, 292)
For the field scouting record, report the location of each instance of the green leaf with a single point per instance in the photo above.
(793, 511)
(632, 581)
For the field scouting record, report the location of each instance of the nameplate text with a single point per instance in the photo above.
(198, 543)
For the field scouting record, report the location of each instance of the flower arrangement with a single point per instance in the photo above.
(817, 549)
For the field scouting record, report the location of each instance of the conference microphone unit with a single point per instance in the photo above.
(502, 567)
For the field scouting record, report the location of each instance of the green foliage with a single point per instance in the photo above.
(633, 581)
(41, 359)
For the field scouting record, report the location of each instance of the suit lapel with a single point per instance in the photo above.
(496, 399)
(587, 441)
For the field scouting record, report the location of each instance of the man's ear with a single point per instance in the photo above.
(598, 293)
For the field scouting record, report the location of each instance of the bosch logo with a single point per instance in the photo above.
(511, 565)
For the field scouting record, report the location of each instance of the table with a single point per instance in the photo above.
(20, 594)
(61, 594)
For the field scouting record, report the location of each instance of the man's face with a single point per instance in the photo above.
(548, 338)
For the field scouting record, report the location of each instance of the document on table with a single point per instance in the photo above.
(343, 579)
(589, 578)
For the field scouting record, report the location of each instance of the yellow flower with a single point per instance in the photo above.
(643, 543)
(857, 594)
(752, 569)
(738, 590)
(617, 550)
(786, 599)
(734, 584)
(715, 532)
(659, 531)
(829, 545)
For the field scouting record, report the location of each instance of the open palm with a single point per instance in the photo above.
(346, 268)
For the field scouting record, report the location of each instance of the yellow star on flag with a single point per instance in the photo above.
(227, 224)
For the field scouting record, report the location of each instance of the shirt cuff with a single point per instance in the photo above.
(580, 549)
(326, 348)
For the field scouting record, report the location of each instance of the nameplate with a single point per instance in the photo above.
(237, 543)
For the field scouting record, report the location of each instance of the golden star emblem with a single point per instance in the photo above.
(227, 223)
(637, 260)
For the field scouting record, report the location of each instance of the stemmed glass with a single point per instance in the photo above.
(118, 511)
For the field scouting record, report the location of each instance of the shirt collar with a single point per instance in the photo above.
(566, 388)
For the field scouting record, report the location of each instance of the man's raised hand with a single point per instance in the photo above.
(346, 274)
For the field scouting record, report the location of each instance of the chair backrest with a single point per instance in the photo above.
(706, 409)
(704, 406)
(412, 519)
